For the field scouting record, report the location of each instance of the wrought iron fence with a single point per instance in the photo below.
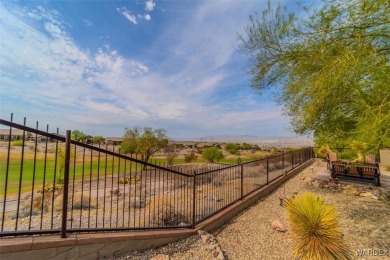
(52, 184)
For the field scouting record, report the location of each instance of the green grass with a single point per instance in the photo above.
(90, 169)
(38, 171)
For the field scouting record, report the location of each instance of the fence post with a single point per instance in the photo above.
(193, 199)
(267, 170)
(66, 184)
(242, 178)
(292, 160)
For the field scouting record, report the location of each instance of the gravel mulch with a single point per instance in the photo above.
(364, 221)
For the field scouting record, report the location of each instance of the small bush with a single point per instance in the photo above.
(323, 151)
(80, 201)
(137, 203)
(232, 148)
(49, 188)
(168, 215)
(315, 228)
(190, 157)
(212, 154)
(17, 143)
(128, 180)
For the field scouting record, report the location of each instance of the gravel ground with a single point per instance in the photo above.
(364, 221)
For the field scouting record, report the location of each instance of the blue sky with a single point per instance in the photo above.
(100, 66)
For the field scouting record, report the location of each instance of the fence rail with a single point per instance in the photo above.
(52, 184)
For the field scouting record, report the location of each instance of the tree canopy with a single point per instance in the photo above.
(78, 135)
(145, 142)
(329, 68)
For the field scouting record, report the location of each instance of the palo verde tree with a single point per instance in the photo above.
(212, 154)
(329, 66)
(144, 142)
(171, 152)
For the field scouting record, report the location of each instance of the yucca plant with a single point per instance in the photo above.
(315, 228)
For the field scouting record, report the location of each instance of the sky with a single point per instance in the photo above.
(101, 66)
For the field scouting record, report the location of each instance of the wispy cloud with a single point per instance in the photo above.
(42, 66)
(87, 23)
(126, 13)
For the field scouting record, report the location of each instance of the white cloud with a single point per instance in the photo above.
(50, 72)
(126, 13)
(149, 5)
(147, 17)
(130, 17)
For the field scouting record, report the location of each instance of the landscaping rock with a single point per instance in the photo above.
(201, 232)
(278, 225)
(315, 184)
(207, 238)
(213, 246)
(212, 243)
(161, 257)
(307, 181)
(349, 189)
(366, 194)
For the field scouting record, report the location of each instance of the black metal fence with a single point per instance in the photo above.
(52, 184)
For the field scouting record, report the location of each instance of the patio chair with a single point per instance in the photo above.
(370, 158)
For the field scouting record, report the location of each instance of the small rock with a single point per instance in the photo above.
(315, 184)
(349, 190)
(216, 252)
(220, 256)
(366, 194)
(207, 238)
(161, 257)
(213, 246)
(278, 225)
(201, 232)
(307, 181)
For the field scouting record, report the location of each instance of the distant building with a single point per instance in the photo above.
(114, 140)
(16, 134)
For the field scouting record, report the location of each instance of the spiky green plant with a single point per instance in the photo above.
(315, 228)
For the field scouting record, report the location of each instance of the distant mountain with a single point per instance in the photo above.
(290, 141)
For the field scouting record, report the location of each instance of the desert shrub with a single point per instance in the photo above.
(137, 203)
(80, 201)
(315, 228)
(190, 157)
(17, 143)
(49, 188)
(128, 180)
(323, 151)
(116, 192)
(26, 208)
(232, 148)
(168, 215)
(246, 146)
(212, 154)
